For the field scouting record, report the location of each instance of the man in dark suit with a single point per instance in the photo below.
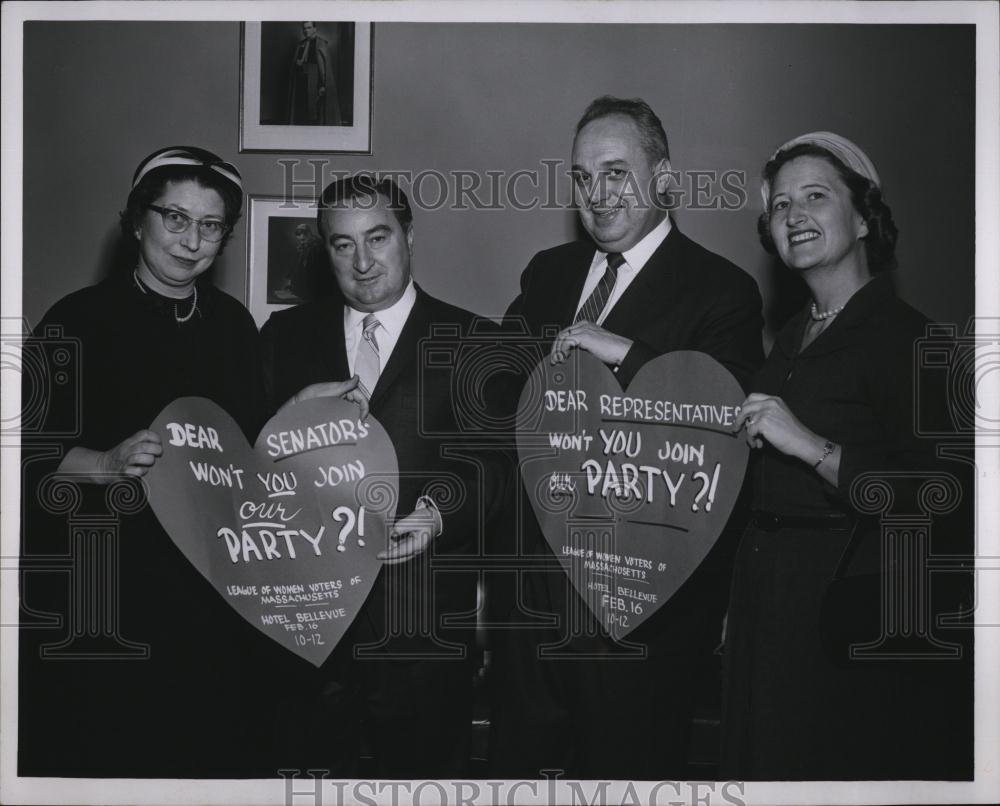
(400, 671)
(568, 697)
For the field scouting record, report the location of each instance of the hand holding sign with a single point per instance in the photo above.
(348, 390)
(604, 345)
(411, 536)
(287, 532)
(133, 456)
(631, 489)
(768, 418)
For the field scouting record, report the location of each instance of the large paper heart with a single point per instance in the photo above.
(288, 531)
(631, 489)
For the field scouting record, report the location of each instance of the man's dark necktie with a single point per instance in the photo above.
(599, 297)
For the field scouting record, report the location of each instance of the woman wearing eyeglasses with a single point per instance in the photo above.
(164, 693)
(162, 331)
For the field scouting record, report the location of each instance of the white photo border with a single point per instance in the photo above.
(310, 790)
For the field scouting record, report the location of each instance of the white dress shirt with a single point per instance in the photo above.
(635, 259)
(390, 325)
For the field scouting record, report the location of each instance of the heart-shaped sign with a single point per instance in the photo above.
(631, 489)
(288, 531)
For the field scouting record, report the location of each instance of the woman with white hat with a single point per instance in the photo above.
(834, 400)
(160, 691)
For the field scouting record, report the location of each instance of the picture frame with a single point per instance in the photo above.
(286, 262)
(306, 86)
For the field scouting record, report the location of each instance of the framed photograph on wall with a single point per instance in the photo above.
(306, 86)
(286, 262)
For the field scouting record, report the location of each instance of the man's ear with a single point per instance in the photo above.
(662, 173)
(409, 239)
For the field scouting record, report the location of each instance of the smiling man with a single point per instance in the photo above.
(636, 289)
(639, 287)
(397, 674)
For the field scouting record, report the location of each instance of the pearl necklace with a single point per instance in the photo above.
(819, 316)
(179, 319)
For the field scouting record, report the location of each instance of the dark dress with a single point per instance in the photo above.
(131, 665)
(791, 711)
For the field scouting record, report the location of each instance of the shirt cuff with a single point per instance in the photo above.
(426, 502)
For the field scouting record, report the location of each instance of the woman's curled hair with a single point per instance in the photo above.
(880, 242)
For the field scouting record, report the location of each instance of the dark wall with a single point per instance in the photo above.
(502, 97)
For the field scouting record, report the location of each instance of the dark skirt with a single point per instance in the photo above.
(792, 710)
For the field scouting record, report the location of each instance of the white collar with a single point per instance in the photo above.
(392, 318)
(643, 251)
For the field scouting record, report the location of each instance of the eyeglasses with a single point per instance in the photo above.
(176, 221)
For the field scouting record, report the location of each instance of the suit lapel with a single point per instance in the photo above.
(330, 340)
(575, 280)
(415, 328)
